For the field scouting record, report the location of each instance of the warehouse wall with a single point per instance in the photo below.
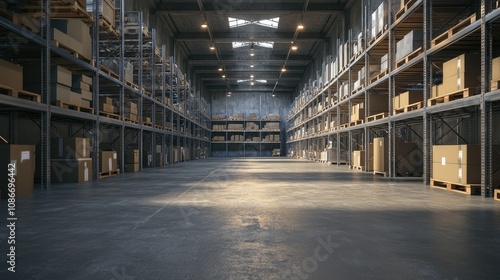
(251, 102)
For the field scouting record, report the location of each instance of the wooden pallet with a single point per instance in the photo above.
(376, 117)
(409, 57)
(60, 9)
(109, 115)
(132, 85)
(130, 120)
(385, 174)
(346, 125)
(452, 31)
(23, 21)
(103, 175)
(20, 94)
(495, 85)
(109, 71)
(361, 87)
(379, 34)
(74, 107)
(470, 189)
(448, 97)
(73, 52)
(379, 76)
(496, 193)
(411, 107)
(405, 8)
(159, 127)
(358, 122)
(107, 27)
(147, 93)
(359, 168)
(147, 124)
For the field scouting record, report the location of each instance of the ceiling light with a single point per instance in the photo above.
(204, 25)
(223, 76)
(251, 76)
(212, 47)
(294, 47)
(252, 54)
(274, 95)
(301, 26)
(220, 69)
(251, 65)
(252, 83)
(283, 69)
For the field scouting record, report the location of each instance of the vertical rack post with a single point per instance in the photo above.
(45, 94)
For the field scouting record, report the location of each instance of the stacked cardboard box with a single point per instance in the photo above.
(373, 69)
(132, 160)
(237, 138)
(271, 126)
(131, 111)
(461, 164)
(82, 84)
(22, 157)
(461, 72)
(106, 105)
(495, 73)
(129, 72)
(408, 157)
(384, 62)
(71, 160)
(378, 104)
(73, 34)
(12, 75)
(237, 116)
(410, 42)
(252, 126)
(106, 10)
(219, 127)
(343, 55)
(108, 160)
(252, 116)
(378, 20)
(358, 112)
(406, 98)
(358, 158)
(146, 120)
(235, 126)
(218, 139)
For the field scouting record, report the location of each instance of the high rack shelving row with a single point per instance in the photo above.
(376, 84)
(126, 90)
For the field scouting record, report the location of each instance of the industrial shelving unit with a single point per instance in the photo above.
(173, 118)
(254, 136)
(311, 134)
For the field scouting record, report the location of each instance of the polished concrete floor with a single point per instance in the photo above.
(256, 218)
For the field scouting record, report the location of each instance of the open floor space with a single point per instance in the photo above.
(254, 218)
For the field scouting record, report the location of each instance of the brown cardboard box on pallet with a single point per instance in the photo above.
(358, 112)
(71, 170)
(12, 75)
(70, 148)
(495, 69)
(108, 160)
(23, 157)
(457, 163)
(77, 30)
(106, 10)
(408, 97)
(358, 158)
(408, 157)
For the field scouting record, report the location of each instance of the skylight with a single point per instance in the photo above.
(248, 80)
(268, 45)
(271, 23)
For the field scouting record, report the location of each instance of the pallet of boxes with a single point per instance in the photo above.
(70, 160)
(408, 158)
(106, 108)
(132, 160)
(19, 164)
(73, 35)
(108, 160)
(458, 168)
(461, 79)
(359, 157)
(106, 15)
(495, 74)
(68, 90)
(130, 113)
(11, 82)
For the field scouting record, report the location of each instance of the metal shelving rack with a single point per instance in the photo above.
(429, 118)
(154, 84)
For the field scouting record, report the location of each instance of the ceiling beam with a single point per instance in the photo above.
(236, 8)
(248, 88)
(211, 59)
(247, 69)
(230, 37)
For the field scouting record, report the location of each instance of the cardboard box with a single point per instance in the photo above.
(495, 69)
(128, 110)
(132, 156)
(395, 102)
(104, 107)
(458, 163)
(384, 62)
(464, 63)
(67, 41)
(70, 148)
(86, 79)
(460, 82)
(455, 173)
(132, 167)
(380, 160)
(105, 100)
(23, 157)
(78, 31)
(129, 72)
(85, 103)
(379, 103)
(72, 171)
(12, 75)
(146, 119)
(358, 112)
(409, 97)
(130, 116)
(106, 10)
(410, 42)
(409, 159)
(75, 98)
(61, 93)
(456, 154)
(358, 158)
(109, 161)
(87, 95)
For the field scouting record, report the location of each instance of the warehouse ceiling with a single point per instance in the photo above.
(252, 39)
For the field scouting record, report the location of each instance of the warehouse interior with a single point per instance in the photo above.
(250, 139)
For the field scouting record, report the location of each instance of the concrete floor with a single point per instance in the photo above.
(253, 219)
